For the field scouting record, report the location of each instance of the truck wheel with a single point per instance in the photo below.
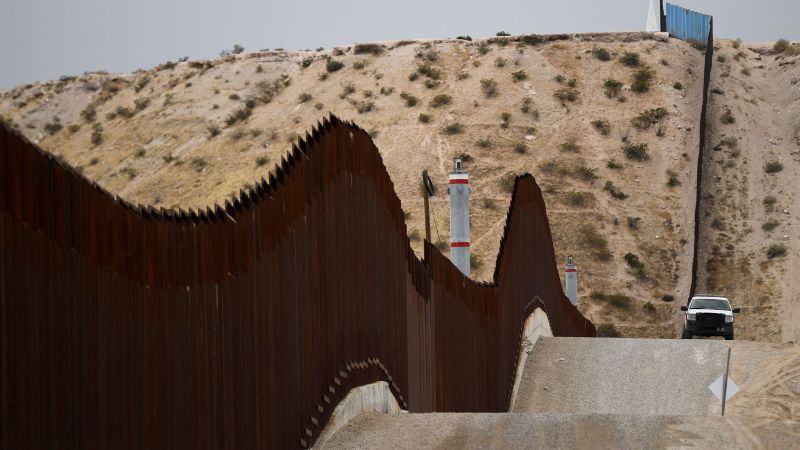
(729, 337)
(686, 334)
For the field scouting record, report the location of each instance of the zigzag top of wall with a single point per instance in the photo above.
(242, 325)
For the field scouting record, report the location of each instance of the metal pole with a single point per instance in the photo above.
(725, 381)
(427, 206)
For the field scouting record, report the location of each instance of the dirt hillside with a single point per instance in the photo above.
(192, 133)
(751, 218)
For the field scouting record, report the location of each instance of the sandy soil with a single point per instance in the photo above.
(768, 376)
(762, 93)
(562, 431)
(165, 155)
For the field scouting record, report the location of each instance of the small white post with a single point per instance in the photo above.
(571, 281)
(459, 218)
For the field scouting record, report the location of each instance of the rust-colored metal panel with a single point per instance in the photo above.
(243, 325)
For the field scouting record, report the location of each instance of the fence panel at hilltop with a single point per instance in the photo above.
(688, 25)
(242, 326)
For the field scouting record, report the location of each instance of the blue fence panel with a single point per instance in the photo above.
(686, 24)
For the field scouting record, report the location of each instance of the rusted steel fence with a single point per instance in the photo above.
(243, 325)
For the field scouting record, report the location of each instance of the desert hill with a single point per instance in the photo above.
(607, 123)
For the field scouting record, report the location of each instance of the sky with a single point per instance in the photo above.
(44, 39)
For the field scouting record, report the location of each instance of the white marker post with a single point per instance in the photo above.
(571, 281)
(459, 218)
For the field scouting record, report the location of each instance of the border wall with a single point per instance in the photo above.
(698, 28)
(243, 325)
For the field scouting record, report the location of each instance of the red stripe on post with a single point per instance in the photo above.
(459, 244)
(571, 270)
(459, 181)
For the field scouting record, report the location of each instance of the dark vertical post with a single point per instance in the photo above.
(701, 155)
(425, 196)
(663, 16)
(725, 381)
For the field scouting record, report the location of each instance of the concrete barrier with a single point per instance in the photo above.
(536, 325)
(373, 397)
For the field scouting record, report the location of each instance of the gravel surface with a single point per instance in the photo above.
(456, 431)
(622, 376)
(617, 393)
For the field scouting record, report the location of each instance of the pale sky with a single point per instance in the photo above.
(44, 39)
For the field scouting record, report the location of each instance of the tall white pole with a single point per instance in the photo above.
(459, 218)
(571, 281)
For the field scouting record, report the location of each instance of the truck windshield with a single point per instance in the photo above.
(710, 303)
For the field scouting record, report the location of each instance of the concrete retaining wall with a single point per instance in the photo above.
(537, 324)
(373, 397)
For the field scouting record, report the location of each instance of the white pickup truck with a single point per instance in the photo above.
(708, 315)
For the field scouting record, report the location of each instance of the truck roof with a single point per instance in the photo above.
(710, 296)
